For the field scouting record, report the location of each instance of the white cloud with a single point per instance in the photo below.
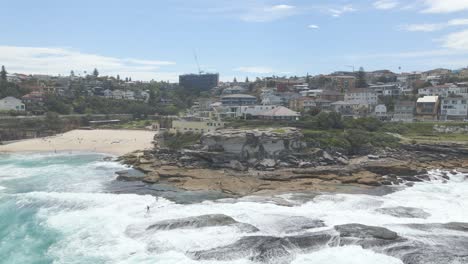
(268, 13)
(458, 22)
(255, 69)
(337, 12)
(424, 27)
(386, 4)
(54, 61)
(445, 6)
(435, 26)
(456, 41)
(312, 26)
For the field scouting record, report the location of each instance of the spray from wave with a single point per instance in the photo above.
(59, 210)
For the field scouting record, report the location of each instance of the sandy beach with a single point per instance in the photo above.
(115, 142)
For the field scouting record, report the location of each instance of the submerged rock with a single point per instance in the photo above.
(441, 249)
(366, 236)
(201, 221)
(267, 249)
(404, 212)
(297, 223)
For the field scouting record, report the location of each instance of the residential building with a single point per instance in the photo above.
(238, 100)
(390, 89)
(380, 112)
(280, 113)
(199, 127)
(311, 93)
(199, 82)
(438, 90)
(363, 95)
(34, 97)
(11, 104)
(343, 83)
(331, 95)
(268, 97)
(350, 108)
(307, 103)
(427, 108)
(454, 108)
(234, 90)
(404, 111)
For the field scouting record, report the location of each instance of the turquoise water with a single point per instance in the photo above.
(56, 208)
(25, 236)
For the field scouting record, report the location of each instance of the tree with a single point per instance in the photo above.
(152, 98)
(95, 72)
(3, 74)
(53, 122)
(361, 78)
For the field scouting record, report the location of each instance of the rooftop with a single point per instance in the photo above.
(428, 99)
(280, 111)
(239, 96)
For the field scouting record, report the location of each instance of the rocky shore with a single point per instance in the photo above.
(423, 249)
(248, 162)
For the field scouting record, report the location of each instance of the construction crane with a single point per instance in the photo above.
(196, 60)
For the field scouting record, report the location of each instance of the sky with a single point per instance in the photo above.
(158, 39)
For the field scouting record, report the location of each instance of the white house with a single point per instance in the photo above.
(198, 127)
(363, 95)
(439, 90)
(107, 93)
(454, 108)
(10, 103)
(380, 111)
(280, 113)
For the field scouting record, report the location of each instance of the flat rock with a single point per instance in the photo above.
(404, 212)
(297, 224)
(267, 249)
(201, 221)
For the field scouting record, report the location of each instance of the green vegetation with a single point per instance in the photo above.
(8, 88)
(180, 140)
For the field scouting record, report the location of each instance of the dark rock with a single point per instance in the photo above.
(201, 221)
(367, 236)
(363, 231)
(297, 223)
(267, 249)
(404, 212)
(236, 165)
(442, 249)
(129, 175)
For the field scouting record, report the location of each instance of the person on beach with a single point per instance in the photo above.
(147, 209)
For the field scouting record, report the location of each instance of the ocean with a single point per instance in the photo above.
(61, 208)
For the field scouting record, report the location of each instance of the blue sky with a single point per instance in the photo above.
(148, 40)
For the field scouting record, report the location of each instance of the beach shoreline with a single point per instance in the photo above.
(104, 141)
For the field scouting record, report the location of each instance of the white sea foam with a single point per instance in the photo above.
(345, 255)
(100, 227)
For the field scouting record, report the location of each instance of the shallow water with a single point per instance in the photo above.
(58, 208)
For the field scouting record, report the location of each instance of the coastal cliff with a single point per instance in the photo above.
(259, 161)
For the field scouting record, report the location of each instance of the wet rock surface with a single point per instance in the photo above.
(267, 249)
(200, 222)
(295, 224)
(404, 212)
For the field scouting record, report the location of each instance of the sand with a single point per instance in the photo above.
(114, 142)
